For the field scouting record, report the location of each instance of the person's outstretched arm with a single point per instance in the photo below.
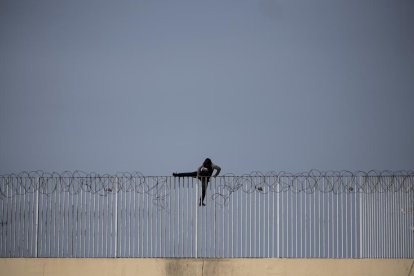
(217, 168)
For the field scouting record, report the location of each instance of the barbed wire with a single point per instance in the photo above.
(313, 181)
(158, 187)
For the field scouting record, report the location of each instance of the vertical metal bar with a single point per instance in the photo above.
(209, 217)
(329, 225)
(103, 211)
(187, 224)
(380, 222)
(56, 222)
(298, 219)
(37, 220)
(361, 226)
(18, 221)
(116, 218)
(336, 196)
(367, 231)
(72, 224)
(129, 216)
(387, 220)
(394, 230)
(15, 226)
(352, 220)
(123, 219)
(406, 226)
(402, 226)
(79, 209)
(154, 219)
(178, 223)
(290, 222)
(196, 220)
(157, 209)
(136, 231)
(250, 226)
(303, 220)
(331, 240)
(126, 218)
(258, 224)
(277, 214)
(109, 251)
(2, 243)
(5, 204)
(248, 232)
(139, 191)
(170, 228)
(353, 239)
(315, 245)
(232, 220)
(296, 236)
(15, 219)
(323, 225)
(239, 228)
(204, 213)
(388, 235)
(174, 220)
(183, 212)
(374, 225)
(281, 217)
(60, 217)
(215, 236)
(345, 233)
(88, 221)
(270, 238)
(204, 229)
(23, 241)
(8, 226)
(371, 226)
(272, 231)
(357, 225)
(93, 220)
(409, 214)
(150, 221)
(141, 224)
(24, 217)
(242, 223)
(82, 219)
(165, 243)
(13, 223)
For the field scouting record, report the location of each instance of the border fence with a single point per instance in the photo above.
(272, 215)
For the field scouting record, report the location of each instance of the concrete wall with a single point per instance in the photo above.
(205, 267)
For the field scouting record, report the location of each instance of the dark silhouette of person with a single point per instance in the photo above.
(203, 173)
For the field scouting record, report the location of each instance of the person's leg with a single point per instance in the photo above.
(204, 185)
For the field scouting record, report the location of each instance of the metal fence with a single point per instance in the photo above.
(312, 215)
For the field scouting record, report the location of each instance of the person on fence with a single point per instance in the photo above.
(203, 173)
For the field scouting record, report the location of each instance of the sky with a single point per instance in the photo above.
(157, 86)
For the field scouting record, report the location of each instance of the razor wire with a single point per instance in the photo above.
(313, 181)
(158, 187)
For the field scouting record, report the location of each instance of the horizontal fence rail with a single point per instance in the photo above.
(308, 215)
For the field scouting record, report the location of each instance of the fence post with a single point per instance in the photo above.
(116, 217)
(360, 216)
(196, 220)
(37, 218)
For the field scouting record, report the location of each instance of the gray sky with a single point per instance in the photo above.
(157, 86)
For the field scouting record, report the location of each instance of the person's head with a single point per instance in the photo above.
(207, 163)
